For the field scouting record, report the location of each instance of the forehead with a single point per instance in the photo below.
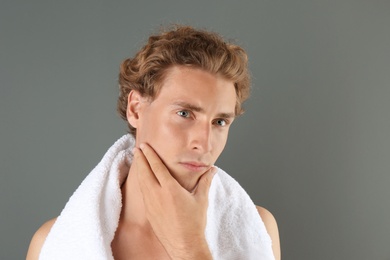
(197, 86)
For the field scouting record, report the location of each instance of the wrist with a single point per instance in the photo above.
(195, 251)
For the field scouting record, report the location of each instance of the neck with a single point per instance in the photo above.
(133, 208)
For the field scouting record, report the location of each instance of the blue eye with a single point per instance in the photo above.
(183, 113)
(221, 122)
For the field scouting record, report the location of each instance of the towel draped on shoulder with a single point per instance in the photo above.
(86, 226)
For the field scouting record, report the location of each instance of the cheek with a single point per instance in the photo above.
(169, 129)
(219, 143)
(165, 137)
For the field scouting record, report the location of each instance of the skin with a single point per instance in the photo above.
(193, 113)
(165, 195)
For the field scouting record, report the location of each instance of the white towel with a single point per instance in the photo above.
(86, 226)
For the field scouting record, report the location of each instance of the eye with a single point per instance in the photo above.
(184, 113)
(221, 122)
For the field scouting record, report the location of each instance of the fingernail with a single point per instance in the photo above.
(141, 146)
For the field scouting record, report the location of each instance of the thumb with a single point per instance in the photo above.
(202, 190)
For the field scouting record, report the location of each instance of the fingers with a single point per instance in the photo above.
(157, 166)
(152, 172)
(202, 190)
(146, 177)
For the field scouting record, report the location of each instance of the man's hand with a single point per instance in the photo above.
(178, 217)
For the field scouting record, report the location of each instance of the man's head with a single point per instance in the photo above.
(183, 46)
(181, 93)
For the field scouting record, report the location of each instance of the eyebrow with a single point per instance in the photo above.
(201, 110)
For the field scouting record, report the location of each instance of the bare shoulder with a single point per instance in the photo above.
(38, 239)
(267, 217)
(272, 229)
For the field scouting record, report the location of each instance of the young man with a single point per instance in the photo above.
(179, 95)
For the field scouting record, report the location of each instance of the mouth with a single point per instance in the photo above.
(195, 166)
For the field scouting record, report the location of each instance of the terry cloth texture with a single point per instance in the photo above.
(86, 226)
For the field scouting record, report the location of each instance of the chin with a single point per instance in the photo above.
(187, 181)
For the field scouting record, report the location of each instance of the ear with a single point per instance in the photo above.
(134, 102)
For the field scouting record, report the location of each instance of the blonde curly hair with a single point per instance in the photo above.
(184, 46)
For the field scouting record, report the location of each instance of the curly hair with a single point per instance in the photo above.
(182, 46)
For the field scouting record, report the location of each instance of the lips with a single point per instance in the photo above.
(195, 166)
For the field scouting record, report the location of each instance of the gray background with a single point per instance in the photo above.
(313, 147)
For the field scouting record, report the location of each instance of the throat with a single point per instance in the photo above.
(133, 208)
(134, 237)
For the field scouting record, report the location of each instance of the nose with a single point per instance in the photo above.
(201, 138)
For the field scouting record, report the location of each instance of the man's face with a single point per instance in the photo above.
(187, 124)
